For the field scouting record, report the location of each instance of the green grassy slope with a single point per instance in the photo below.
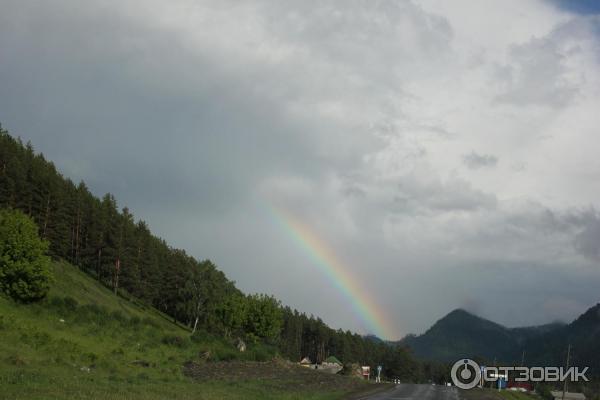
(72, 282)
(84, 342)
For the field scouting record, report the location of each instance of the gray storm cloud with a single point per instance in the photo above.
(474, 160)
(390, 128)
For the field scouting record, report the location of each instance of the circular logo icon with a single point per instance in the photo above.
(465, 374)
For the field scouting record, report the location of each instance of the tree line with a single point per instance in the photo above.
(121, 252)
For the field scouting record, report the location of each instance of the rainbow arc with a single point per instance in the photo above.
(339, 275)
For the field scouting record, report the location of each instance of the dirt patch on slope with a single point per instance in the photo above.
(276, 373)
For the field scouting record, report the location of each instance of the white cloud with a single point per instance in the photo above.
(364, 118)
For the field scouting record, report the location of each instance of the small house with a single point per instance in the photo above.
(331, 365)
(366, 372)
(332, 361)
(305, 362)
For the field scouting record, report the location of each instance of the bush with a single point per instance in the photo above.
(264, 318)
(24, 267)
(202, 336)
(262, 353)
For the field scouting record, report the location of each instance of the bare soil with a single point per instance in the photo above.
(276, 373)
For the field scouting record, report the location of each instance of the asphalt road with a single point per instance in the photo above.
(417, 392)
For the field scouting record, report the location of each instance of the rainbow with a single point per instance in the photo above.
(323, 257)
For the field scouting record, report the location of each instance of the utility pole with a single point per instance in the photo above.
(492, 382)
(565, 382)
(523, 358)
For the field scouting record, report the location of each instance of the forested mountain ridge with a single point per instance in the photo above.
(461, 334)
(583, 335)
(122, 254)
(107, 242)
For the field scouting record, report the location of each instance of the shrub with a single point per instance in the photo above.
(264, 318)
(202, 336)
(262, 353)
(24, 267)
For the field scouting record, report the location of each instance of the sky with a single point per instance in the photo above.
(441, 154)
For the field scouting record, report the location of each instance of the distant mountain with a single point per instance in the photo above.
(373, 338)
(583, 335)
(525, 333)
(461, 334)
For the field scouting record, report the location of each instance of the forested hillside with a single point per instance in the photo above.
(583, 335)
(121, 253)
(461, 334)
(107, 242)
(83, 342)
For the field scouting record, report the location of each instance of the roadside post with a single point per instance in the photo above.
(481, 383)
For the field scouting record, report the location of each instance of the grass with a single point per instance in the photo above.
(513, 395)
(84, 342)
(72, 282)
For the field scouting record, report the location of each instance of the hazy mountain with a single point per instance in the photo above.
(373, 338)
(461, 334)
(583, 335)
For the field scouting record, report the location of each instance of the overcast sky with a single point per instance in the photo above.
(446, 151)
